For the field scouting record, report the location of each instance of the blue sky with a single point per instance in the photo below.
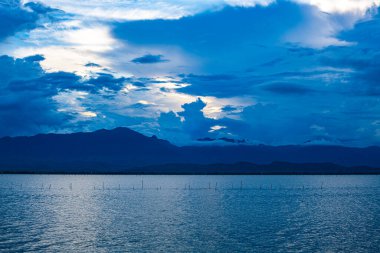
(266, 71)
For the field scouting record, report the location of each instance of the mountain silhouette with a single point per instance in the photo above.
(123, 150)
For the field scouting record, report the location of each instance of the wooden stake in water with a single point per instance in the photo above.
(241, 185)
(209, 185)
(142, 184)
(71, 186)
(103, 186)
(119, 187)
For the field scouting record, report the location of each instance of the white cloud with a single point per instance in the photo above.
(144, 9)
(94, 39)
(342, 6)
(319, 29)
(166, 9)
(216, 128)
(61, 58)
(69, 46)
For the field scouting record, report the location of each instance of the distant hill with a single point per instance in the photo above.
(122, 150)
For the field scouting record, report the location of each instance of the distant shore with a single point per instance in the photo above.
(242, 168)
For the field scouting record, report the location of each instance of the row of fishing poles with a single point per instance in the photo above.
(215, 186)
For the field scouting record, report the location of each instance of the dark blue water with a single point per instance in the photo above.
(55, 213)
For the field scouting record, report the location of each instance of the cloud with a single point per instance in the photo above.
(287, 88)
(19, 69)
(108, 81)
(25, 101)
(65, 101)
(193, 33)
(91, 64)
(192, 126)
(14, 18)
(147, 9)
(35, 58)
(29, 103)
(342, 6)
(149, 59)
(362, 58)
(39, 8)
(165, 9)
(273, 72)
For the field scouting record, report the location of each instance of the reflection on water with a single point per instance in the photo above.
(80, 213)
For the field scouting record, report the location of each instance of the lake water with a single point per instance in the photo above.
(97, 213)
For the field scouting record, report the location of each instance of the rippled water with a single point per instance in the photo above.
(83, 213)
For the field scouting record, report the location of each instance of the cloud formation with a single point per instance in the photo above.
(14, 18)
(262, 71)
(149, 59)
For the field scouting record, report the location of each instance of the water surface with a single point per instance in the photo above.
(97, 213)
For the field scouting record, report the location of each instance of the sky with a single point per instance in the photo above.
(194, 72)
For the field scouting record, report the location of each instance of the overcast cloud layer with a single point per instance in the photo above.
(259, 71)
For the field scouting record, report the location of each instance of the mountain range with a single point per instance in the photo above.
(125, 151)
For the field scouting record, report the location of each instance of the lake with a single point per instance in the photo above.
(117, 213)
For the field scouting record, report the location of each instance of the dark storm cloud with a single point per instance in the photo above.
(91, 64)
(39, 8)
(229, 108)
(15, 17)
(27, 104)
(18, 69)
(104, 80)
(35, 58)
(149, 59)
(211, 31)
(225, 40)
